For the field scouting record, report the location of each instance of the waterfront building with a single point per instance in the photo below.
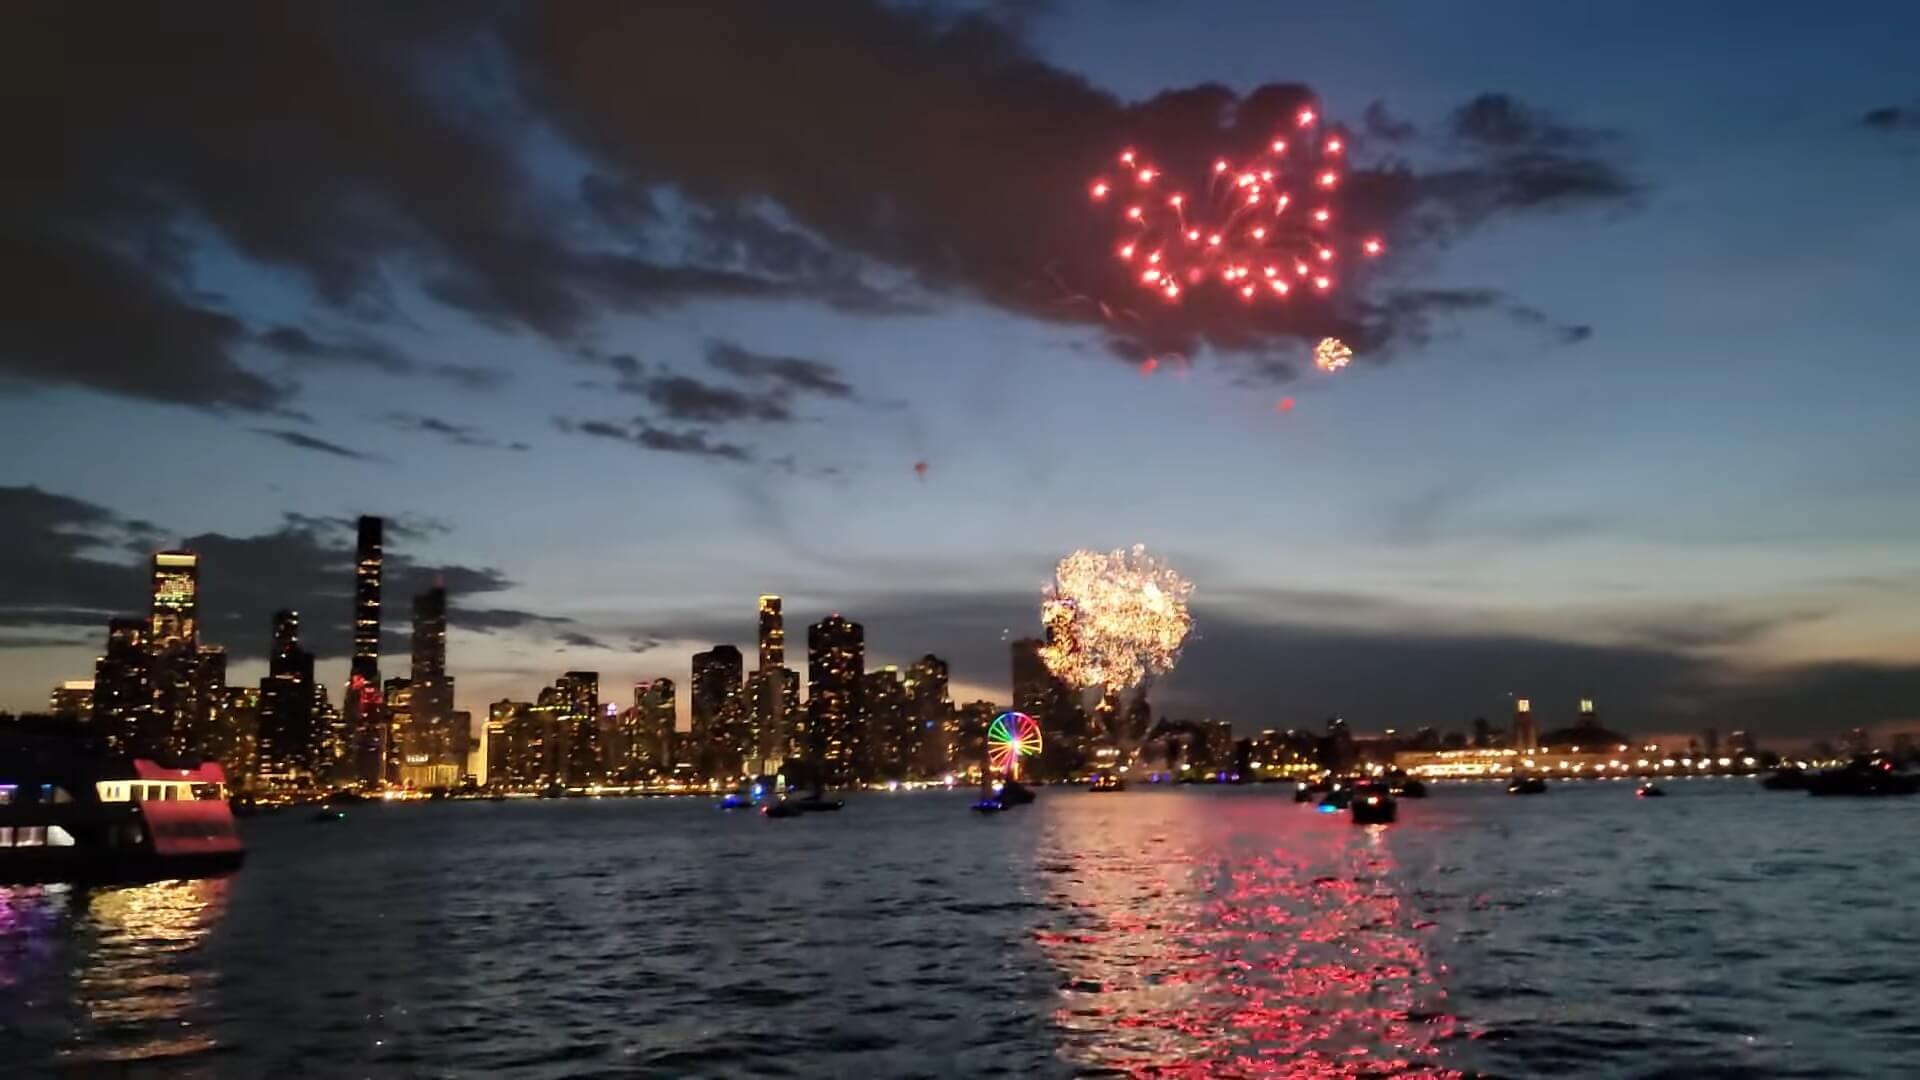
(888, 726)
(72, 700)
(362, 704)
(931, 709)
(577, 694)
(716, 682)
(836, 661)
(1526, 731)
(122, 688)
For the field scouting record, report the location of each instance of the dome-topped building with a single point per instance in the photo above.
(1585, 736)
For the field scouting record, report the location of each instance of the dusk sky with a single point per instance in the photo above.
(623, 317)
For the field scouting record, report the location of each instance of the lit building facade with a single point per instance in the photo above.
(175, 616)
(577, 693)
(931, 707)
(716, 682)
(434, 730)
(72, 700)
(123, 688)
(889, 729)
(292, 745)
(836, 662)
(362, 704)
(1054, 706)
(648, 729)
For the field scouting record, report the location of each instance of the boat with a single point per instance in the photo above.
(989, 805)
(1404, 786)
(734, 800)
(1648, 790)
(1106, 781)
(327, 815)
(1864, 776)
(782, 808)
(816, 804)
(1338, 798)
(1526, 785)
(1302, 791)
(70, 815)
(1372, 804)
(1014, 793)
(1786, 778)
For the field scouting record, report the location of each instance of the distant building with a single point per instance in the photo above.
(1526, 732)
(970, 738)
(242, 711)
(836, 659)
(891, 734)
(505, 745)
(578, 695)
(775, 711)
(716, 681)
(72, 700)
(176, 605)
(932, 712)
(1586, 735)
(122, 687)
(773, 634)
(648, 730)
(1066, 730)
(293, 744)
(365, 713)
(435, 731)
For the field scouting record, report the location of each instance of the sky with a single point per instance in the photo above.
(624, 316)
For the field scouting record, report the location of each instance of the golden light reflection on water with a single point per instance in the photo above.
(1273, 947)
(140, 989)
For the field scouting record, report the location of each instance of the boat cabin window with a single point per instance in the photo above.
(25, 836)
(6, 794)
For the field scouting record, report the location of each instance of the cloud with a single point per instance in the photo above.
(298, 344)
(304, 441)
(803, 174)
(470, 376)
(74, 564)
(578, 640)
(1892, 118)
(457, 434)
(644, 435)
(790, 373)
(686, 399)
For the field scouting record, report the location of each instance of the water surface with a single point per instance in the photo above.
(1723, 931)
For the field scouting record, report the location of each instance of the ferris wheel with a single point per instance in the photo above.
(1011, 736)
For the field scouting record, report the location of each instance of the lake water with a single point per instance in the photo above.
(1723, 931)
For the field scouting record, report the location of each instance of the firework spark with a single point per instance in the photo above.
(1238, 224)
(1331, 354)
(1113, 619)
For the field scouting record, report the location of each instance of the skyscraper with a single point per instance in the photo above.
(366, 599)
(1526, 730)
(836, 661)
(887, 726)
(578, 696)
(775, 705)
(434, 730)
(1054, 706)
(122, 688)
(716, 679)
(173, 652)
(648, 729)
(507, 744)
(932, 712)
(365, 719)
(291, 745)
(176, 588)
(773, 634)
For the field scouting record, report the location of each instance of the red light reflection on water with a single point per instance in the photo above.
(1267, 944)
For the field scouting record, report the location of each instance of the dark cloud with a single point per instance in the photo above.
(578, 640)
(806, 171)
(293, 342)
(457, 434)
(1892, 118)
(789, 373)
(303, 441)
(72, 563)
(644, 435)
(688, 400)
(1379, 123)
(470, 376)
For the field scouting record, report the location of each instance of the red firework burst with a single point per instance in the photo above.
(1266, 227)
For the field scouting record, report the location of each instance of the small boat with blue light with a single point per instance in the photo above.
(1649, 790)
(1107, 781)
(1526, 785)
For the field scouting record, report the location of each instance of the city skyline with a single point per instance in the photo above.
(1626, 419)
